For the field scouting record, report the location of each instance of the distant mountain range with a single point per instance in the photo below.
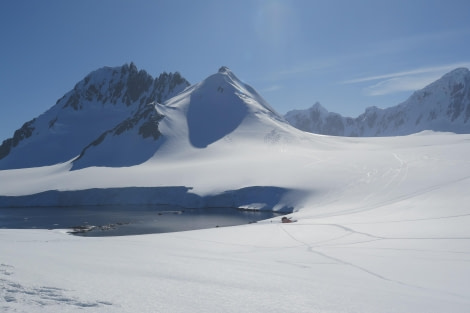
(444, 106)
(123, 116)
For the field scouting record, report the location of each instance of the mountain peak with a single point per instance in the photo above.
(226, 75)
(457, 76)
(458, 71)
(219, 104)
(318, 107)
(224, 70)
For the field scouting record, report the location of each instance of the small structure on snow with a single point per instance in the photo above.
(286, 220)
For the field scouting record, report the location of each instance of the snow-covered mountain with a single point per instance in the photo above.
(180, 145)
(106, 99)
(121, 116)
(381, 223)
(220, 106)
(441, 106)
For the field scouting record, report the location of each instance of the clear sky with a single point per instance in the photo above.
(346, 54)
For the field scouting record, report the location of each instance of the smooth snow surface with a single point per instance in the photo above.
(382, 226)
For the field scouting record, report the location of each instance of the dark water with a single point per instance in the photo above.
(126, 220)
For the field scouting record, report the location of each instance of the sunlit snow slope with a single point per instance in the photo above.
(382, 226)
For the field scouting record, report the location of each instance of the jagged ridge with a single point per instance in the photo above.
(441, 106)
(102, 100)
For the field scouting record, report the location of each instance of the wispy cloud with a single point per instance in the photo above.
(399, 84)
(425, 70)
(405, 80)
(378, 49)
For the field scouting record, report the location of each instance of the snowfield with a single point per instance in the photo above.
(382, 226)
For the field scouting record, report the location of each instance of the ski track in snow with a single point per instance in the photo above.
(412, 220)
(314, 249)
(401, 172)
(16, 295)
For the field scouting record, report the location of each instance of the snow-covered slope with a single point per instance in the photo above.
(382, 226)
(442, 106)
(102, 100)
(220, 107)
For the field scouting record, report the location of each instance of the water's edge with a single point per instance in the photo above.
(260, 198)
(126, 219)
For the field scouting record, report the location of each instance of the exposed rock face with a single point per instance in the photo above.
(144, 124)
(24, 132)
(441, 106)
(106, 99)
(123, 85)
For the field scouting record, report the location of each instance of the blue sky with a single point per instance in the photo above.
(346, 54)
